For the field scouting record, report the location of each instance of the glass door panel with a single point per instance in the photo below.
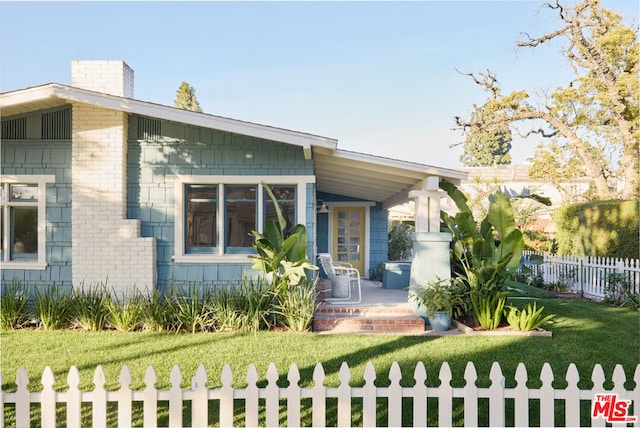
(348, 236)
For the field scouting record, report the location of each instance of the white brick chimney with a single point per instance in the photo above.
(106, 246)
(110, 77)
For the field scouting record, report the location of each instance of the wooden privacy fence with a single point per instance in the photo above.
(291, 397)
(588, 276)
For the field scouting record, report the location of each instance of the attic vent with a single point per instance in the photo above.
(56, 125)
(14, 129)
(148, 129)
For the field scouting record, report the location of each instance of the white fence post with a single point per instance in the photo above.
(496, 396)
(199, 403)
(23, 399)
(48, 399)
(395, 396)
(470, 396)
(319, 396)
(252, 397)
(294, 395)
(175, 397)
(124, 397)
(369, 396)
(445, 397)
(272, 402)
(74, 398)
(572, 398)
(344, 396)
(99, 404)
(150, 407)
(420, 396)
(521, 397)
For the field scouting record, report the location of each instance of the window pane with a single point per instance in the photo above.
(24, 231)
(24, 192)
(240, 214)
(286, 196)
(202, 202)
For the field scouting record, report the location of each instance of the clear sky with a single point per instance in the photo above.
(378, 76)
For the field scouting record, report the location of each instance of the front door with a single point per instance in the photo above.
(348, 236)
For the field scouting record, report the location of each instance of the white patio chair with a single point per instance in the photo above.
(338, 271)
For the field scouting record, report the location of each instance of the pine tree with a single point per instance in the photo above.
(186, 98)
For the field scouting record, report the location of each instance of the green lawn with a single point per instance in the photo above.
(584, 333)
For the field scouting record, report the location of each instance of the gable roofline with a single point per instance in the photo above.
(20, 101)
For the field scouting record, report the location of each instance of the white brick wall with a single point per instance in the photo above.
(111, 77)
(105, 245)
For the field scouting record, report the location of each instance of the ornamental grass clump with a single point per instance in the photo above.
(89, 307)
(125, 312)
(527, 318)
(52, 307)
(192, 310)
(297, 305)
(14, 311)
(156, 313)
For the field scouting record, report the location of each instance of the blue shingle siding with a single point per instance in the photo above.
(191, 150)
(379, 238)
(52, 158)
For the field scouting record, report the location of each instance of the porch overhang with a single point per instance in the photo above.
(374, 178)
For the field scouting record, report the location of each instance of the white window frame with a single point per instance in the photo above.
(179, 181)
(41, 181)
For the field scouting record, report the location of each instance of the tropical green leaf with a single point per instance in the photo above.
(501, 215)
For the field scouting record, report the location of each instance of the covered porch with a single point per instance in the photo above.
(380, 311)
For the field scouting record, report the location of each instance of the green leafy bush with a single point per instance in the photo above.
(618, 291)
(527, 318)
(400, 242)
(599, 228)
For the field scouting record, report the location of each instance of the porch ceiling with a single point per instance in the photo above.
(374, 178)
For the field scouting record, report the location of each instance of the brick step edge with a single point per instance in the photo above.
(347, 323)
(375, 311)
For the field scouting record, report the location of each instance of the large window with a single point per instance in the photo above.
(22, 218)
(214, 220)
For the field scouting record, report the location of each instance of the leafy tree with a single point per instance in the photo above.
(558, 164)
(486, 146)
(186, 98)
(597, 114)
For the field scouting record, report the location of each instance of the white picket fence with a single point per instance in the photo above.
(588, 276)
(271, 397)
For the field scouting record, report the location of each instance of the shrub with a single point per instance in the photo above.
(527, 318)
(400, 242)
(618, 291)
(13, 306)
(52, 307)
(599, 228)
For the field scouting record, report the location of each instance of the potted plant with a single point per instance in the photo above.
(440, 299)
